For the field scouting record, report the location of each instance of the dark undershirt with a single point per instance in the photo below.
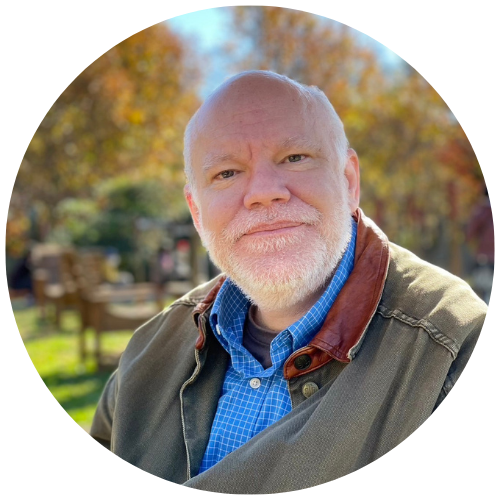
(257, 340)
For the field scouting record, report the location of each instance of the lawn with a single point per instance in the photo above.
(75, 385)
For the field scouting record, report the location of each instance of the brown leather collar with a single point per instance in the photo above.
(202, 307)
(346, 323)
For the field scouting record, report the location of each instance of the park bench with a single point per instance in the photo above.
(52, 279)
(70, 279)
(106, 307)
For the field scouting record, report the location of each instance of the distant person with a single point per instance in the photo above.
(321, 347)
(480, 234)
(162, 269)
(20, 280)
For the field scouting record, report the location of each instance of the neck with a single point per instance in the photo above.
(278, 320)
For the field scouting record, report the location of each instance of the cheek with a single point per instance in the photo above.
(218, 210)
(327, 195)
(316, 191)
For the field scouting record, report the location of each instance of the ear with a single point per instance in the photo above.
(193, 208)
(351, 173)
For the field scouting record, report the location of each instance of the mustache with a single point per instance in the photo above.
(247, 221)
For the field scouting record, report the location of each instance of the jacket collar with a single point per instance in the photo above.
(202, 307)
(342, 333)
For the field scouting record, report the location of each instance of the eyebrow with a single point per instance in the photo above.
(297, 141)
(216, 159)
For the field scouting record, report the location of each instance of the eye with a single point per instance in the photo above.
(294, 158)
(225, 174)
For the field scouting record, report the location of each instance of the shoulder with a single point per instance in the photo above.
(196, 295)
(426, 296)
(173, 330)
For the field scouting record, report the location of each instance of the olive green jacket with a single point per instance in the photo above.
(396, 340)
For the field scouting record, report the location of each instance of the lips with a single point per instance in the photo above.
(273, 228)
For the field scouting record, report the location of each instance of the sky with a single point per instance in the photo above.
(208, 26)
(210, 29)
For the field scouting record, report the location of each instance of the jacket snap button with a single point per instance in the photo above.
(309, 388)
(302, 362)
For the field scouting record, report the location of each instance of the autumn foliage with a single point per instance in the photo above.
(123, 118)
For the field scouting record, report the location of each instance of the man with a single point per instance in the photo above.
(321, 347)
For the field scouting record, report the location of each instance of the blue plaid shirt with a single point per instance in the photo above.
(252, 397)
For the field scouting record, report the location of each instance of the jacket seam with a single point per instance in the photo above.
(434, 333)
(186, 302)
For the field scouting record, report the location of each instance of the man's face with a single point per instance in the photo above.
(273, 206)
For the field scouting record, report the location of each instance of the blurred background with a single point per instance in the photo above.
(99, 238)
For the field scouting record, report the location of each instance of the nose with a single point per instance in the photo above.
(265, 187)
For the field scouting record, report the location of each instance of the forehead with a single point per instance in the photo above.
(268, 118)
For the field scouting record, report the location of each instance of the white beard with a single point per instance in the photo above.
(278, 272)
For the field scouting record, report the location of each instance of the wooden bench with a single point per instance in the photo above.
(53, 281)
(73, 279)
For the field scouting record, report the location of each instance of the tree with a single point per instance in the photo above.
(123, 115)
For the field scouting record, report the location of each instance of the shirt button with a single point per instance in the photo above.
(255, 383)
(302, 362)
(217, 327)
(309, 388)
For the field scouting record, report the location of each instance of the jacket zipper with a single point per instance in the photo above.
(189, 381)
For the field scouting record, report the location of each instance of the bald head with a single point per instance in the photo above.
(251, 89)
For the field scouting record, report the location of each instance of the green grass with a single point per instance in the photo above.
(76, 386)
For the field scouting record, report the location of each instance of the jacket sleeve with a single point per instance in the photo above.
(461, 360)
(103, 419)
